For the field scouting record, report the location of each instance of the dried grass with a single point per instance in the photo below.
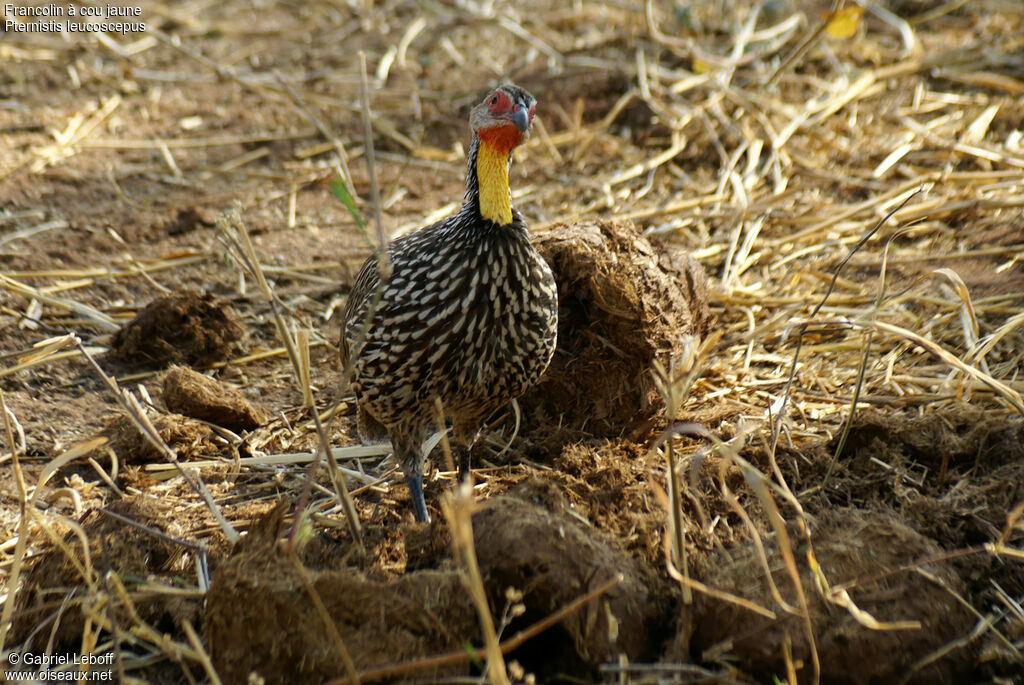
(765, 147)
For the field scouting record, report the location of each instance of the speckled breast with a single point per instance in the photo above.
(469, 315)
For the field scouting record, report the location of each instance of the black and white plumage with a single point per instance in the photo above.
(468, 314)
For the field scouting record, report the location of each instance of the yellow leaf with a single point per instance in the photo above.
(700, 66)
(844, 23)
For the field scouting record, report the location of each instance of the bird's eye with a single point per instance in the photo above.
(494, 99)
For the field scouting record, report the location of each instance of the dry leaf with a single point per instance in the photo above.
(701, 67)
(843, 23)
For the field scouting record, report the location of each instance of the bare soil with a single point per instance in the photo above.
(687, 202)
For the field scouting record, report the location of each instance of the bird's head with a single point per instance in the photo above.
(503, 120)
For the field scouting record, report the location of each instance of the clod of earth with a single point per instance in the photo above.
(282, 636)
(528, 540)
(553, 559)
(190, 439)
(49, 604)
(192, 394)
(882, 561)
(623, 303)
(962, 439)
(545, 553)
(180, 328)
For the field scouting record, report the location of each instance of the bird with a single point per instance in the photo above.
(468, 314)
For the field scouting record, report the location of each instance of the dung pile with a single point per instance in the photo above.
(891, 572)
(189, 438)
(179, 328)
(192, 394)
(50, 602)
(539, 551)
(552, 559)
(623, 302)
(283, 638)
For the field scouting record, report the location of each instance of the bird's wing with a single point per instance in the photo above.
(365, 285)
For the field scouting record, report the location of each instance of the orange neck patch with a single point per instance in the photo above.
(501, 137)
(492, 172)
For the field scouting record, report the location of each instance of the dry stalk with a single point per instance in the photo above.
(325, 618)
(341, 161)
(236, 236)
(862, 366)
(462, 656)
(28, 513)
(23, 504)
(383, 257)
(305, 383)
(446, 449)
(458, 510)
(350, 452)
(201, 557)
(130, 404)
(674, 383)
(848, 425)
(200, 652)
(704, 589)
(1008, 394)
(787, 652)
(97, 317)
(761, 487)
(170, 648)
(802, 328)
(1012, 519)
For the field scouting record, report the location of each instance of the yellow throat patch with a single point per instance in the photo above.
(492, 178)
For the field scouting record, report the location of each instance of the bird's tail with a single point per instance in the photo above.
(371, 431)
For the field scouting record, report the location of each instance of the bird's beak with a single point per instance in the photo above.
(521, 119)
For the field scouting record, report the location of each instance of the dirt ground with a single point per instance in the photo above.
(759, 214)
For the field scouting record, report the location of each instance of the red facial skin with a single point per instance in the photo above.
(499, 104)
(504, 135)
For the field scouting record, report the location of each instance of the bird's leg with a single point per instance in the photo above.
(407, 441)
(464, 470)
(414, 479)
(463, 442)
